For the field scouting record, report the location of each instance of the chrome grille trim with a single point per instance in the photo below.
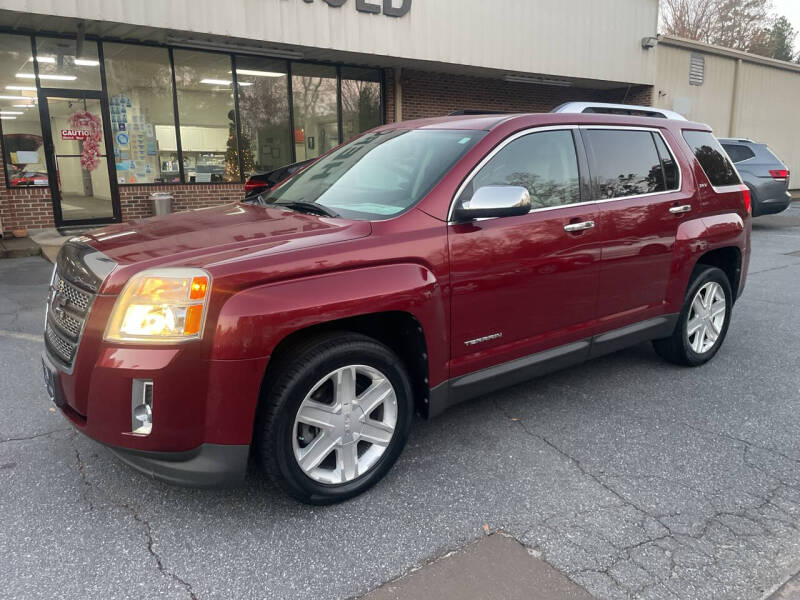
(70, 298)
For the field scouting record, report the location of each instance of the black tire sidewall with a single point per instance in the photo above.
(318, 365)
(702, 276)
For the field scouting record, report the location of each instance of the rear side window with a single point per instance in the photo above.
(671, 175)
(712, 158)
(738, 153)
(625, 162)
(545, 163)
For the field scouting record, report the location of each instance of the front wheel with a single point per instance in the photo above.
(703, 322)
(335, 419)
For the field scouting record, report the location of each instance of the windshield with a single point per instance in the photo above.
(378, 175)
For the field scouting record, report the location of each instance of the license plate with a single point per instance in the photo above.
(51, 382)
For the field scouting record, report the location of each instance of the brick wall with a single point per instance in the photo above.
(429, 94)
(136, 204)
(24, 208)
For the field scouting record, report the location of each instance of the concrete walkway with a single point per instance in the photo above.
(496, 567)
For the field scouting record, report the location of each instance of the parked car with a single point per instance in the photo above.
(763, 172)
(258, 183)
(417, 266)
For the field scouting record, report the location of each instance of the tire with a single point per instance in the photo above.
(683, 346)
(329, 378)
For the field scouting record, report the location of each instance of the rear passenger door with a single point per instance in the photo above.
(637, 183)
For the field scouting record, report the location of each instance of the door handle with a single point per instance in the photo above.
(684, 208)
(572, 227)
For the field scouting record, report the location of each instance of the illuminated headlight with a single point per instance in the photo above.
(161, 306)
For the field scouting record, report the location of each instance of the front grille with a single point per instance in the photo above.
(67, 311)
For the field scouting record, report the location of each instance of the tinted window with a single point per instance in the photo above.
(545, 163)
(712, 158)
(738, 153)
(668, 163)
(625, 163)
(379, 174)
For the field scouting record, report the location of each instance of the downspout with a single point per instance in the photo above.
(398, 95)
(733, 126)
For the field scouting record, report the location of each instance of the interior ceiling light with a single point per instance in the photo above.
(86, 62)
(258, 73)
(22, 105)
(44, 59)
(18, 98)
(223, 82)
(537, 80)
(47, 76)
(5, 118)
(11, 112)
(22, 88)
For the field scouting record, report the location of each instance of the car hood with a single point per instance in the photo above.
(201, 238)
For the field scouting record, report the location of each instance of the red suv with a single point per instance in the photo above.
(417, 266)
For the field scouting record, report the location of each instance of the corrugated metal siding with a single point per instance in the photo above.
(766, 105)
(596, 39)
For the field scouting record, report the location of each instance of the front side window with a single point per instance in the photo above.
(712, 158)
(139, 81)
(378, 175)
(544, 163)
(625, 163)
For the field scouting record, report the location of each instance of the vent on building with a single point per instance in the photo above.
(697, 69)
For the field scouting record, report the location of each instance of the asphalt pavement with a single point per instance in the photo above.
(632, 477)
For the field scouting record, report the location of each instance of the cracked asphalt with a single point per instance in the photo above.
(633, 477)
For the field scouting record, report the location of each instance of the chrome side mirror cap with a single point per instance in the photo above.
(495, 201)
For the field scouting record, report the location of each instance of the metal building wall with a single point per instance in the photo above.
(593, 39)
(742, 95)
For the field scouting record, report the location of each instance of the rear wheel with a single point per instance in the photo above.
(336, 418)
(703, 322)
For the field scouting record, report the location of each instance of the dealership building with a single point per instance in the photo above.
(104, 103)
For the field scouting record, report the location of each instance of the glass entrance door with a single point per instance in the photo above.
(83, 187)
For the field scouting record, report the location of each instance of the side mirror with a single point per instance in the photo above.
(495, 201)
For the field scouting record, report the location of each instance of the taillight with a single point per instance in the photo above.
(250, 185)
(747, 200)
(779, 173)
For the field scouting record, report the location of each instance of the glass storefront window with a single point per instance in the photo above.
(61, 67)
(207, 120)
(361, 100)
(139, 82)
(316, 121)
(264, 114)
(23, 151)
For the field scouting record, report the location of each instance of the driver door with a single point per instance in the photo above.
(525, 284)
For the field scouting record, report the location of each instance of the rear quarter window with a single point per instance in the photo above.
(738, 152)
(712, 158)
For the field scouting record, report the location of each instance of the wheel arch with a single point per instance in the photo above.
(729, 260)
(400, 331)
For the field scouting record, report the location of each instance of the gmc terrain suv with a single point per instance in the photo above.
(417, 266)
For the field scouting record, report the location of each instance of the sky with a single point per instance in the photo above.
(789, 9)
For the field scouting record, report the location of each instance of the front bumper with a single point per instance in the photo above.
(208, 465)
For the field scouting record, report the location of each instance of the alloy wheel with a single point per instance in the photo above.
(706, 317)
(345, 424)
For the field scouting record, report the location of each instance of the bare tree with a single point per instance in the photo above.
(738, 24)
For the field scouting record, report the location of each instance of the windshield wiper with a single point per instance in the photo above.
(309, 207)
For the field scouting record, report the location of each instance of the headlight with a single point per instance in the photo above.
(161, 305)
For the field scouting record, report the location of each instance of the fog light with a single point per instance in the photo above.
(142, 406)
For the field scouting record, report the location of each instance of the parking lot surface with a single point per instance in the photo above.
(633, 477)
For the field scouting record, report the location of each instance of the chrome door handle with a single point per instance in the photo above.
(571, 227)
(684, 208)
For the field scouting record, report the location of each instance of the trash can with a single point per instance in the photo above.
(162, 203)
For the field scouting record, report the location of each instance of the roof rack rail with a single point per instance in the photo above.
(477, 111)
(617, 109)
